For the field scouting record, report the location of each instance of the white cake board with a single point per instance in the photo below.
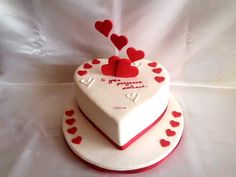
(143, 154)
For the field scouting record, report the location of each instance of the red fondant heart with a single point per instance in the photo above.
(110, 68)
(87, 66)
(104, 27)
(72, 130)
(152, 64)
(159, 79)
(170, 132)
(157, 70)
(119, 41)
(95, 61)
(174, 123)
(176, 114)
(134, 54)
(82, 72)
(69, 112)
(124, 69)
(70, 121)
(164, 143)
(77, 140)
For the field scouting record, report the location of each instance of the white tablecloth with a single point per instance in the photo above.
(42, 42)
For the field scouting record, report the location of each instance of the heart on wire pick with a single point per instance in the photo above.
(134, 54)
(119, 41)
(104, 27)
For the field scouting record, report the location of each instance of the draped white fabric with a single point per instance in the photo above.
(43, 41)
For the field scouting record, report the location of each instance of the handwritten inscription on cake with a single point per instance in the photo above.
(125, 84)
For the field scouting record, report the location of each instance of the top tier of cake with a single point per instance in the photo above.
(122, 108)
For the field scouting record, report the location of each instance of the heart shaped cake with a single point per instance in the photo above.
(125, 99)
(122, 108)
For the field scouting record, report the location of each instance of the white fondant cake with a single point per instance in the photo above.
(122, 108)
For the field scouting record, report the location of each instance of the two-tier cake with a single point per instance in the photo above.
(124, 118)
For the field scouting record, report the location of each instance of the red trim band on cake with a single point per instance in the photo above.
(131, 140)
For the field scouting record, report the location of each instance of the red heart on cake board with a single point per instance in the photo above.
(110, 68)
(69, 112)
(124, 69)
(176, 114)
(134, 54)
(104, 27)
(119, 41)
(164, 143)
(170, 132)
(174, 123)
(77, 140)
(70, 121)
(72, 130)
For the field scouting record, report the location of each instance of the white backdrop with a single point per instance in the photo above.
(43, 41)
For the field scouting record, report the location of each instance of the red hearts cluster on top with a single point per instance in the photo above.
(121, 67)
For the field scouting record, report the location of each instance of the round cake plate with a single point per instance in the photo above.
(145, 153)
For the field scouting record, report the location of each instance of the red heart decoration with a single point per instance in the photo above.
(170, 132)
(174, 123)
(69, 112)
(82, 72)
(77, 140)
(176, 114)
(152, 64)
(70, 121)
(87, 66)
(119, 41)
(72, 130)
(159, 79)
(164, 143)
(104, 27)
(124, 69)
(110, 68)
(95, 61)
(134, 54)
(157, 70)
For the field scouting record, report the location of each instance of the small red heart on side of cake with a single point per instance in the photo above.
(176, 114)
(77, 140)
(119, 41)
(152, 64)
(170, 132)
(104, 27)
(70, 121)
(134, 54)
(124, 69)
(72, 130)
(96, 61)
(174, 123)
(159, 79)
(157, 70)
(110, 68)
(69, 112)
(82, 72)
(87, 66)
(164, 143)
